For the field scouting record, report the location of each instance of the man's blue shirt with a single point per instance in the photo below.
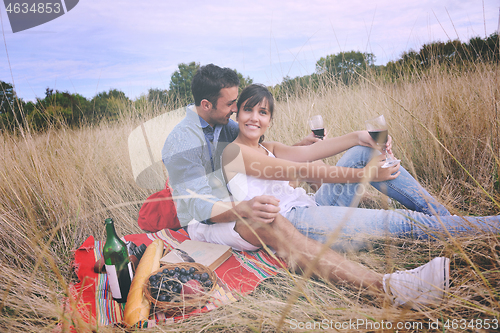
(193, 161)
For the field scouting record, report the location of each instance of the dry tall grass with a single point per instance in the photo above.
(57, 188)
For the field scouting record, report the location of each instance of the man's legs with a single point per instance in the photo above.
(299, 250)
(404, 188)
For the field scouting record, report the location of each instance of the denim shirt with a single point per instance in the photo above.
(194, 164)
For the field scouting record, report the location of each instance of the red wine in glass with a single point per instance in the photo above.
(316, 124)
(379, 136)
(319, 132)
(377, 128)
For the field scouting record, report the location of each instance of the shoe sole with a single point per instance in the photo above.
(446, 263)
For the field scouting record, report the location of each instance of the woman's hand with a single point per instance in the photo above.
(366, 140)
(376, 173)
(388, 146)
(310, 139)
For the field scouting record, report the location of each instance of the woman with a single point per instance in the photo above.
(254, 167)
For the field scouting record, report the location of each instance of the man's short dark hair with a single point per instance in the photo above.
(208, 82)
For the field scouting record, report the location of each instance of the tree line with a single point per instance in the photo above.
(344, 68)
(57, 108)
(179, 92)
(72, 109)
(349, 67)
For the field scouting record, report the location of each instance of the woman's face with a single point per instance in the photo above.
(253, 122)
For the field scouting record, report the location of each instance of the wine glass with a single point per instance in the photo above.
(377, 128)
(316, 124)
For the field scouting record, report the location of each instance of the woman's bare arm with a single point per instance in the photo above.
(324, 148)
(243, 159)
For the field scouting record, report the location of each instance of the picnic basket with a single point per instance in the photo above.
(180, 304)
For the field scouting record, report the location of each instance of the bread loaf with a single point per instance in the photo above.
(137, 306)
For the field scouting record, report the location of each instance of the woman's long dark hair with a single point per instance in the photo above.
(253, 95)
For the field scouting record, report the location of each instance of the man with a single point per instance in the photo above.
(192, 156)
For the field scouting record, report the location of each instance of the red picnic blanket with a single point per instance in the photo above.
(238, 276)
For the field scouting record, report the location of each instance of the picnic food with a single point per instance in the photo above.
(168, 284)
(192, 288)
(118, 266)
(164, 288)
(137, 307)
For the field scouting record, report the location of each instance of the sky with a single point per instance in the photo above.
(133, 46)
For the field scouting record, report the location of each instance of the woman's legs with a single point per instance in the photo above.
(404, 188)
(320, 221)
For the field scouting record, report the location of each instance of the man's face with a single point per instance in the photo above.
(226, 105)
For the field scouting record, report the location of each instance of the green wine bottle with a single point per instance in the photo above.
(118, 266)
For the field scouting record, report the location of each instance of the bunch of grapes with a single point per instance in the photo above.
(169, 283)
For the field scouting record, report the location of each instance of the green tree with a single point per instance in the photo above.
(10, 106)
(58, 108)
(344, 66)
(485, 50)
(296, 86)
(158, 96)
(180, 82)
(451, 53)
(244, 81)
(108, 104)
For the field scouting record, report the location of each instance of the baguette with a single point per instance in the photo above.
(137, 306)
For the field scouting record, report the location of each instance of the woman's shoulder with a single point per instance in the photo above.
(268, 144)
(231, 151)
(235, 149)
(272, 146)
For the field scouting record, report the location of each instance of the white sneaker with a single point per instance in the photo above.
(423, 286)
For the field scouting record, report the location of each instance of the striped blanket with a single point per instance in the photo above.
(238, 276)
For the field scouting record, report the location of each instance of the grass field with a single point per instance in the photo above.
(57, 188)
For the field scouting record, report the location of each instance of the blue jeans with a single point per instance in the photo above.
(423, 218)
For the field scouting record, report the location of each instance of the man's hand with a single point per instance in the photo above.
(309, 139)
(263, 208)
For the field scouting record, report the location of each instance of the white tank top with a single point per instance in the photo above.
(244, 187)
